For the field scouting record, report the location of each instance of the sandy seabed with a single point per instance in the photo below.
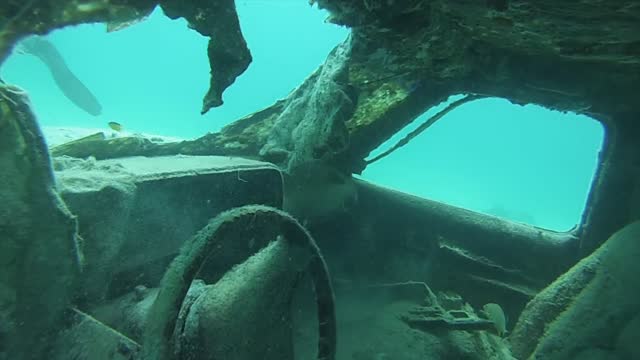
(56, 135)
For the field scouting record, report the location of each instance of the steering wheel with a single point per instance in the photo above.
(158, 334)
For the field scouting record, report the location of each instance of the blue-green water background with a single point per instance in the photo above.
(524, 163)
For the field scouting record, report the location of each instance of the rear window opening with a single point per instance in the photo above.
(523, 163)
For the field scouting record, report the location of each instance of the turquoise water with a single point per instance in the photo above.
(151, 77)
(524, 163)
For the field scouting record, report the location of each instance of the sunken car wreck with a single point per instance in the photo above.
(247, 243)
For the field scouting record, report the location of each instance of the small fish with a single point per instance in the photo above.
(115, 126)
(495, 313)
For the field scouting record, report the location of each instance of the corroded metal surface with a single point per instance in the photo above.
(408, 56)
(40, 253)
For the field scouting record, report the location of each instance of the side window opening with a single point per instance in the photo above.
(523, 163)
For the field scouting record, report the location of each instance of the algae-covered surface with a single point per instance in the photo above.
(127, 234)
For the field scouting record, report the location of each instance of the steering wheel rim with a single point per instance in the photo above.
(161, 320)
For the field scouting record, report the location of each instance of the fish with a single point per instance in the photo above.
(495, 313)
(65, 79)
(115, 126)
